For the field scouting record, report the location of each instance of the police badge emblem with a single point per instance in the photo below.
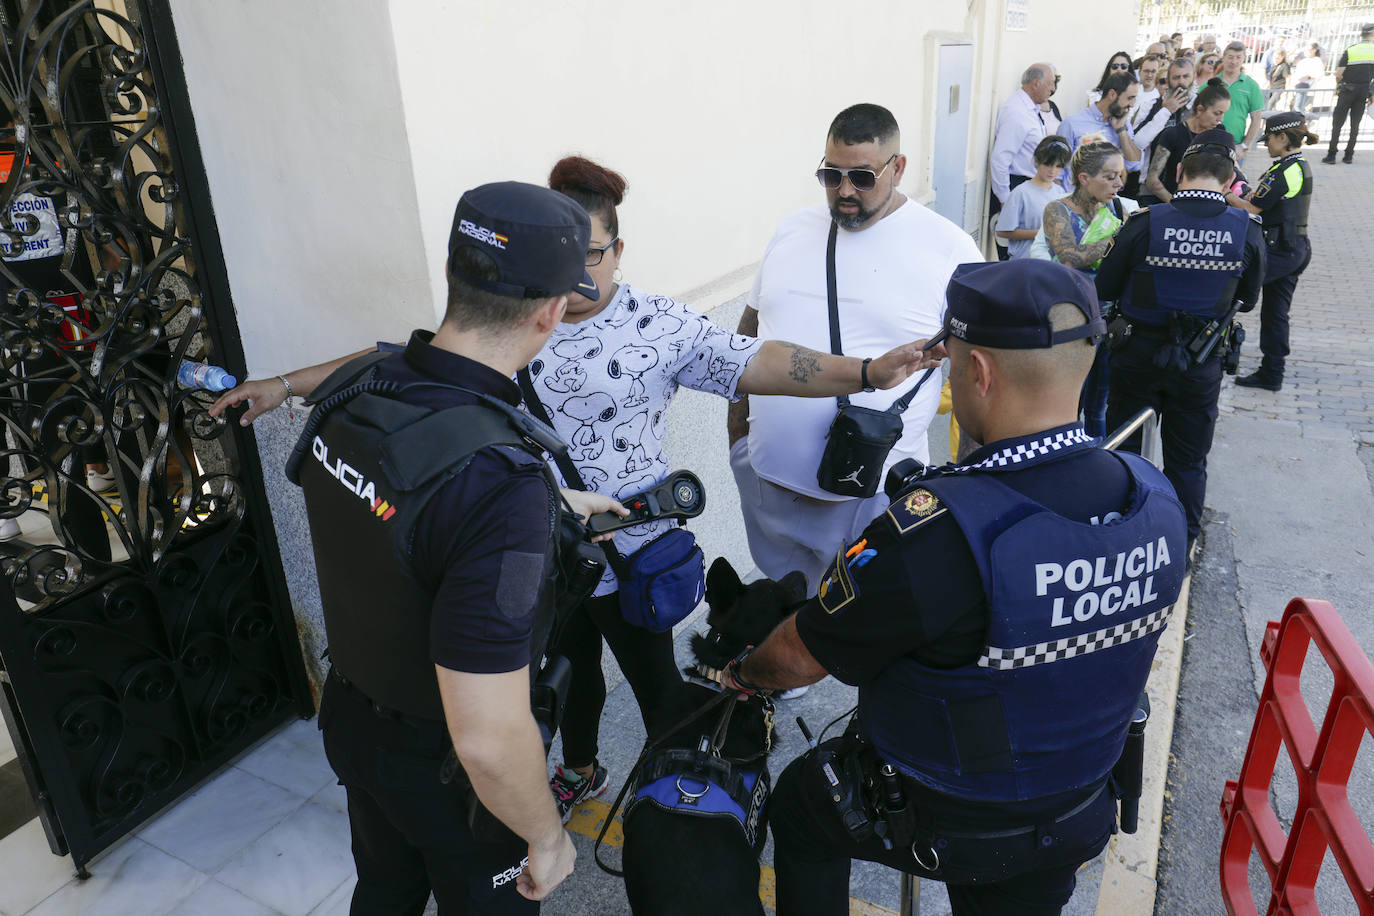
(915, 508)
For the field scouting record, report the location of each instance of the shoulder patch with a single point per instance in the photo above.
(915, 509)
(837, 586)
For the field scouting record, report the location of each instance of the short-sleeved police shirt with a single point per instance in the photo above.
(480, 542)
(920, 594)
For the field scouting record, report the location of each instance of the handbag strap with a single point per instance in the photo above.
(569, 468)
(832, 298)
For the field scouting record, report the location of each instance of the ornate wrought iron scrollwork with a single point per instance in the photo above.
(141, 622)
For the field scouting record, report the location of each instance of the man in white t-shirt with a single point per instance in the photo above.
(893, 260)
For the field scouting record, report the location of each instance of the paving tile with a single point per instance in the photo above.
(333, 796)
(273, 871)
(31, 872)
(6, 745)
(133, 879)
(338, 901)
(293, 759)
(215, 899)
(210, 827)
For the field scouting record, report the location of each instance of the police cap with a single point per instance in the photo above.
(1217, 141)
(1006, 304)
(536, 237)
(1283, 120)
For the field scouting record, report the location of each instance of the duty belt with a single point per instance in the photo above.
(385, 712)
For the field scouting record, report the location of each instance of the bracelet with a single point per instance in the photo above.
(863, 374)
(287, 384)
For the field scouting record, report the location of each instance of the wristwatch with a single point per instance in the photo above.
(863, 374)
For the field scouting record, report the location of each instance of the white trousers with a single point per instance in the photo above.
(790, 531)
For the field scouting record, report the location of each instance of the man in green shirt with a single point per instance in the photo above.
(1247, 100)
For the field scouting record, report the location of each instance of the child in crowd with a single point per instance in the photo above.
(1021, 217)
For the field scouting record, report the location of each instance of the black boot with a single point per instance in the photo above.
(1260, 379)
(1348, 158)
(1330, 158)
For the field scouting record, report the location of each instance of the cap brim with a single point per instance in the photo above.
(587, 287)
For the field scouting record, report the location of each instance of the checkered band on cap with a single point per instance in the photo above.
(1283, 122)
(1038, 448)
(1060, 649)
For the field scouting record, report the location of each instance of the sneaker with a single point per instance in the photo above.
(793, 692)
(9, 529)
(100, 483)
(571, 790)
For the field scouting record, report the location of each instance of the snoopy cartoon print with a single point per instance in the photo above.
(634, 362)
(569, 376)
(629, 437)
(708, 372)
(625, 314)
(658, 323)
(584, 444)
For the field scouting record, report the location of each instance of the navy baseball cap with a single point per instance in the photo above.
(537, 238)
(1217, 141)
(1006, 304)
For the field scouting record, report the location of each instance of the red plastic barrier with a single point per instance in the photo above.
(1322, 760)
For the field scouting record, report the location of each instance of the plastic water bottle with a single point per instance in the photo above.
(200, 375)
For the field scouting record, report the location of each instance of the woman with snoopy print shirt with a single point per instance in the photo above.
(605, 379)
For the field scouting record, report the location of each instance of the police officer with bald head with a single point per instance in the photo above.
(999, 620)
(1176, 270)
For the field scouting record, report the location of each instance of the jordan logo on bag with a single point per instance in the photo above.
(853, 476)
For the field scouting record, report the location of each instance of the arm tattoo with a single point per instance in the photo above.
(1154, 180)
(1059, 235)
(805, 362)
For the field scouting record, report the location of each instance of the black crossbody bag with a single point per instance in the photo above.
(860, 438)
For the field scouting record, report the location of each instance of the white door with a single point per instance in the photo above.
(954, 87)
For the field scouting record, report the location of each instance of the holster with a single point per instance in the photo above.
(1128, 774)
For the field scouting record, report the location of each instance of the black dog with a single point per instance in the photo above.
(683, 863)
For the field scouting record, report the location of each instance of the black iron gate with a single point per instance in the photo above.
(146, 635)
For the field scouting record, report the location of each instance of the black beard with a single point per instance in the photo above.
(850, 220)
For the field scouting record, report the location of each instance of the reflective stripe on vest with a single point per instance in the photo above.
(1075, 612)
(1360, 53)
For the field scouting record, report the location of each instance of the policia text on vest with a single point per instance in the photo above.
(1101, 585)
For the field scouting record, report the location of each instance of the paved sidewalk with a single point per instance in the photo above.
(1291, 497)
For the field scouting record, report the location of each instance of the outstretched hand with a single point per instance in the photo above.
(262, 395)
(901, 363)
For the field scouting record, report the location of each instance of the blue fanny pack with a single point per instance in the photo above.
(661, 582)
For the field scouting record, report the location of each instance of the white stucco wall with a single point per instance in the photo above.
(299, 117)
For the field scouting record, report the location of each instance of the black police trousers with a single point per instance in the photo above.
(1186, 401)
(645, 657)
(1276, 300)
(1026, 874)
(1350, 102)
(410, 831)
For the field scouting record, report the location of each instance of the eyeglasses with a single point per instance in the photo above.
(862, 179)
(594, 255)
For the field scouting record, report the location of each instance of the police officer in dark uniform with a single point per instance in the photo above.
(433, 561)
(1354, 76)
(1177, 270)
(1282, 200)
(999, 620)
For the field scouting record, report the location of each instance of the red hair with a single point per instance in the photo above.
(598, 189)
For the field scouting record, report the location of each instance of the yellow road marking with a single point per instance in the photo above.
(588, 817)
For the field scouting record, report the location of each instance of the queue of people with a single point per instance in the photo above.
(564, 373)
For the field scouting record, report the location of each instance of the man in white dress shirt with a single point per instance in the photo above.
(1020, 128)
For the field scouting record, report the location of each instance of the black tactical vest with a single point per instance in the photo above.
(368, 463)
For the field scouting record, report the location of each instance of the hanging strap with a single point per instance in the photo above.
(832, 297)
(568, 468)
